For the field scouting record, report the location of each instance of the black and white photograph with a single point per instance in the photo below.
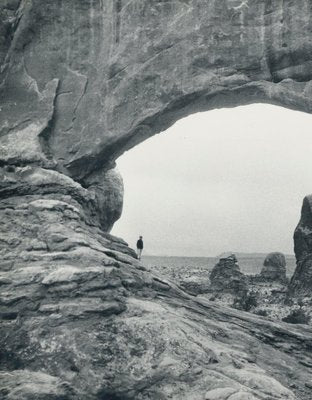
(155, 199)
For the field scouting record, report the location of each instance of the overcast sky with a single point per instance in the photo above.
(224, 180)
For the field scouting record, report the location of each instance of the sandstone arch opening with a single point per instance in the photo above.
(80, 83)
(217, 181)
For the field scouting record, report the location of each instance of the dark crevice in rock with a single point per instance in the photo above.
(83, 167)
(108, 394)
(14, 163)
(20, 190)
(79, 100)
(45, 135)
(9, 315)
(114, 71)
(10, 18)
(118, 7)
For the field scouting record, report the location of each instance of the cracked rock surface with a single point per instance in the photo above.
(226, 277)
(81, 318)
(94, 78)
(82, 81)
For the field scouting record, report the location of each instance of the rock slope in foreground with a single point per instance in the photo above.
(82, 319)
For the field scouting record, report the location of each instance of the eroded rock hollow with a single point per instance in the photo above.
(82, 81)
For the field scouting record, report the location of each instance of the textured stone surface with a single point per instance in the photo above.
(91, 79)
(274, 267)
(108, 190)
(196, 285)
(81, 318)
(226, 277)
(301, 281)
(29, 385)
(101, 200)
(81, 81)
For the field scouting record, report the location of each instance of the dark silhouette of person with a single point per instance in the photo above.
(140, 247)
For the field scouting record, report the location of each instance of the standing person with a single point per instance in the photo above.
(139, 247)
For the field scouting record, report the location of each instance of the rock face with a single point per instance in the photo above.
(195, 286)
(301, 281)
(82, 81)
(274, 267)
(107, 190)
(227, 277)
(101, 203)
(81, 318)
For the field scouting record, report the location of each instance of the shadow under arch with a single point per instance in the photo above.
(288, 94)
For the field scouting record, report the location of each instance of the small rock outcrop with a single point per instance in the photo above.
(274, 267)
(107, 188)
(301, 282)
(227, 277)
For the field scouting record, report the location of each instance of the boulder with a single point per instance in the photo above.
(108, 190)
(274, 267)
(226, 277)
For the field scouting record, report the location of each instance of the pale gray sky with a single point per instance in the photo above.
(223, 180)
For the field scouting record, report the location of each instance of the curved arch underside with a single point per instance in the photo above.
(83, 81)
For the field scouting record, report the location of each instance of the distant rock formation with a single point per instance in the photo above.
(274, 267)
(301, 282)
(227, 277)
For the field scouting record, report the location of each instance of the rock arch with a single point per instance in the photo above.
(81, 81)
(93, 78)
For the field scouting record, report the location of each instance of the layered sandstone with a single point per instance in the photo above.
(81, 318)
(81, 81)
(226, 277)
